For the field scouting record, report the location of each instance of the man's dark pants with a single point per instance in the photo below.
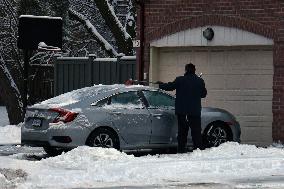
(184, 122)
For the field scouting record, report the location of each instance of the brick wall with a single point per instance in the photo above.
(264, 17)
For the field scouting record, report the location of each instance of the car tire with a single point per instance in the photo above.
(215, 135)
(52, 151)
(104, 138)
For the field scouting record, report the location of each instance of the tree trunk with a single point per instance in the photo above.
(11, 97)
(94, 33)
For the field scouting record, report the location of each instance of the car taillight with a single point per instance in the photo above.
(63, 115)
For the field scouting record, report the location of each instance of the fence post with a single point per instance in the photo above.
(55, 60)
(118, 68)
(92, 58)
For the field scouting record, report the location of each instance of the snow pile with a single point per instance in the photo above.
(3, 116)
(97, 167)
(230, 164)
(85, 157)
(10, 134)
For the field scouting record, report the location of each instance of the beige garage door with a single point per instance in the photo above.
(238, 79)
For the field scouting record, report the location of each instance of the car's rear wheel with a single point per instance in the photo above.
(104, 138)
(52, 151)
(215, 135)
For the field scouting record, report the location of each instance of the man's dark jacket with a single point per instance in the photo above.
(189, 90)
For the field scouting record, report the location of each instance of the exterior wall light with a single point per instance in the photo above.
(208, 34)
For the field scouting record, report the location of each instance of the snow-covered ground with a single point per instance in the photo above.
(229, 166)
(9, 134)
(3, 116)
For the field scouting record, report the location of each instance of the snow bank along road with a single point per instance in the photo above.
(231, 165)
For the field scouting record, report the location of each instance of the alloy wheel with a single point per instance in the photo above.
(103, 140)
(216, 136)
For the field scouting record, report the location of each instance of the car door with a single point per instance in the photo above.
(163, 119)
(130, 117)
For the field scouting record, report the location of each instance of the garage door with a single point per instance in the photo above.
(239, 80)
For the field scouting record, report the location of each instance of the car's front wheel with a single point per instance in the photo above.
(104, 138)
(215, 135)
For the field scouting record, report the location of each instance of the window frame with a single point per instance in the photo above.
(117, 93)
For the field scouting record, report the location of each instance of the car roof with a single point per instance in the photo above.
(88, 94)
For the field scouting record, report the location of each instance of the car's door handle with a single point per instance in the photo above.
(157, 115)
(116, 113)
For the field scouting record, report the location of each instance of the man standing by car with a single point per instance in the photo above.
(189, 90)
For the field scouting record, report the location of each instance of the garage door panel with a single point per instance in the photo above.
(255, 108)
(242, 108)
(168, 69)
(252, 70)
(246, 82)
(252, 121)
(259, 118)
(208, 70)
(201, 58)
(237, 96)
(257, 135)
(256, 95)
(255, 71)
(214, 81)
(217, 59)
(256, 82)
(166, 77)
(233, 82)
(253, 57)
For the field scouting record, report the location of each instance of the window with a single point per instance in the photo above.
(127, 100)
(159, 100)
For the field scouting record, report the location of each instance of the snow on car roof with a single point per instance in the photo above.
(87, 93)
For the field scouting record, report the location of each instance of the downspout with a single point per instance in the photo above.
(142, 37)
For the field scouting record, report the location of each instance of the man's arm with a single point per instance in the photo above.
(170, 86)
(203, 89)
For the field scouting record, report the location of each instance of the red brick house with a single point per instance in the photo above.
(242, 65)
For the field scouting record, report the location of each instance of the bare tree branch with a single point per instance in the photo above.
(10, 8)
(123, 39)
(93, 31)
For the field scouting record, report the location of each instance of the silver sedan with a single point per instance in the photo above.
(118, 116)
